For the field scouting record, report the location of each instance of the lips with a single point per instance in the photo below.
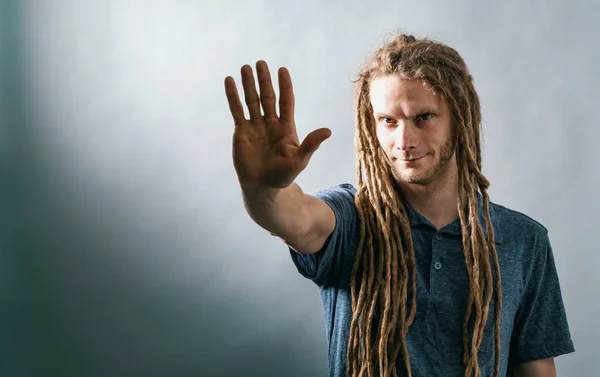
(412, 159)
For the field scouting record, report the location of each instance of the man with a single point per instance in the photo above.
(419, 273)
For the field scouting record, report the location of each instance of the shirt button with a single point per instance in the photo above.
(438, 265)
(438, 237)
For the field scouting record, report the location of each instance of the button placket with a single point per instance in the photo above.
(437, 277)
(437, 263)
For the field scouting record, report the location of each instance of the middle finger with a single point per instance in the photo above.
(267, 94)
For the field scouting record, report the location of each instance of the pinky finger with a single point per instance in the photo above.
(233, 98)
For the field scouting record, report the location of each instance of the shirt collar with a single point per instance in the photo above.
(454, 227)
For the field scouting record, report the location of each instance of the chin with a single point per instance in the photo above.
(415, 180)
(414, 177)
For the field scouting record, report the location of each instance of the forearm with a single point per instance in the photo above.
(279, 211)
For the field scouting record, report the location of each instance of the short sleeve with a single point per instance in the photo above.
(541, 329)
(327, 265)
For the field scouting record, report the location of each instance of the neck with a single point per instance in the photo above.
(437, 200)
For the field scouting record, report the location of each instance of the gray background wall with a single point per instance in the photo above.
(131, 253)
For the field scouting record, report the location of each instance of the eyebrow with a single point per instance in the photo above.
(423, 110)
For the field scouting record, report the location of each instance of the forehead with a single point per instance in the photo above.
(391, 91)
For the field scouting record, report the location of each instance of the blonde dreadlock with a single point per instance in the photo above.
(385, 249)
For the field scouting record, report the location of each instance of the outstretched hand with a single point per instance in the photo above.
(266, 149)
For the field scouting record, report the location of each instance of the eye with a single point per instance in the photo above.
(425, 116)
(386, 120)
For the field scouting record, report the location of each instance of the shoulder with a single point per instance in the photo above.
(517, 227)
(516, 219)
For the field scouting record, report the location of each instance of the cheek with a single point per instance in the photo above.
(386, 139)
(441, 132)
(436, 139)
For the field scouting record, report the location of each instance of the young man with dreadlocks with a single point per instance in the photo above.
(419, 273)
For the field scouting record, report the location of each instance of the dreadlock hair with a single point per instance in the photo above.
(385, 257)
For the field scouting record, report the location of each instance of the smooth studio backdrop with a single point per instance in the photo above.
(131, 252)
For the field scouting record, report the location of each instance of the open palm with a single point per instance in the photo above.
(266, 150)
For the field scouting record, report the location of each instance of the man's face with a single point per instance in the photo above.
(414, 128)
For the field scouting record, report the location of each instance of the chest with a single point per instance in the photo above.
(443, 277)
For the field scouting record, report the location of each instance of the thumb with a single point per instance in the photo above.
(311, 143)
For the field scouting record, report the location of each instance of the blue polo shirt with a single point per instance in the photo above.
(533, 322)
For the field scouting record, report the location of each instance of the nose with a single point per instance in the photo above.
(406, 136)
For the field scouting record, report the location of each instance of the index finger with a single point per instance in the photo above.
(233, 98)
(286, 96)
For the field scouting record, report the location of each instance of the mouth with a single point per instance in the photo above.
(412, 159)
